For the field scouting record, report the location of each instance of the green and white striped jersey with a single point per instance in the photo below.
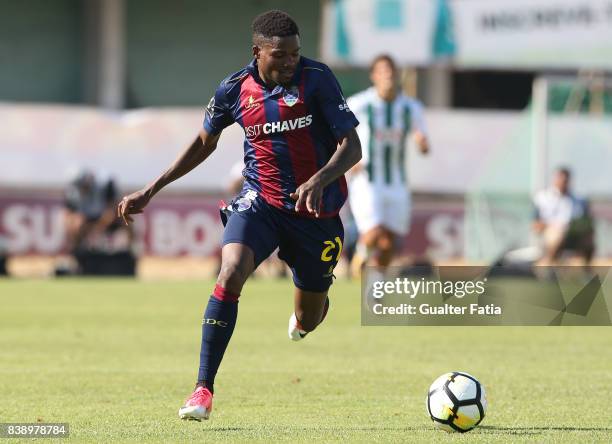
(383, 130)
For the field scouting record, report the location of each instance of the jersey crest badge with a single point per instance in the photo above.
(291, 96)
(245, 202)
(242, 204)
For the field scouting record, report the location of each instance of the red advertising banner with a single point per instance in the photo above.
(178, 225)
(32, 223)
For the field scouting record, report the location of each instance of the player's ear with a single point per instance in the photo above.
(256, 50)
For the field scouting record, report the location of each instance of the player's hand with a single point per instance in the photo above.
(133, 204)
(308, 195)
(422, 142)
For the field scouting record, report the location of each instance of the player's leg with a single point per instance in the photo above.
(385, 247)
(586, 247)
(76, 226)
(553, 237)
(396, 203)
(394, 211)
(310, 309)
(378, 245)
(237, 263)
(311, 248)
(241, 254)
(366, 208)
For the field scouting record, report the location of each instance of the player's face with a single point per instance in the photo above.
(278, 58)
(562, 182)
(383, 76)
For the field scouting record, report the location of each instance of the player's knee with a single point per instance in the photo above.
(232, 276)
(370, 238)
(385, 243)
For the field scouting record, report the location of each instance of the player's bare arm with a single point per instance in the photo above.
(346, 156)
(195, 154)
(356, 169)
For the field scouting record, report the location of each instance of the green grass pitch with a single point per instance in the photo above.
(116, 358)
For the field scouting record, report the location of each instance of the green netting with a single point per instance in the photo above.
(583, 99)
(498, 208)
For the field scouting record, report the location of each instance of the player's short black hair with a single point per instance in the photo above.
(383, 58)
(274, 23)
(565, 170)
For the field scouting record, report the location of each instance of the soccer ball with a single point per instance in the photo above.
(456, 402)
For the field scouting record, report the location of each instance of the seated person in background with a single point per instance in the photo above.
(563, 221)
(90, 209)
(96, 239)
(3, 271)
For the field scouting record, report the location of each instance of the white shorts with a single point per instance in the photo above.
(373, 205)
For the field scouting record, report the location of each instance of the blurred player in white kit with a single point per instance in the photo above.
(379, 194)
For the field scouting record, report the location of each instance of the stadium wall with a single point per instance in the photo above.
(472, 150)
(175, 52)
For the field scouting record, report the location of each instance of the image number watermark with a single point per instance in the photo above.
(486, 296)
(34, 430)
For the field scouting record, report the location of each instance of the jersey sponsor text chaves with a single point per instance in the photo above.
(278, 127)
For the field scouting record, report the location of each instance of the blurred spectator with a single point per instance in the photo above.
(3, 271)
(563, 221)
(90, 209)
(94, 235)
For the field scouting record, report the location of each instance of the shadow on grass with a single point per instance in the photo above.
(227, 429)
(323, 429)
(515, 431)
(538, 430)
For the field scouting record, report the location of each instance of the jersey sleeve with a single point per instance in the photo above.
(355, 104)
(337, 113)
(218, 114)
(418, 117)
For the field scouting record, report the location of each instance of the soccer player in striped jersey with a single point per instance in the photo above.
(379, 195)
(300, 139)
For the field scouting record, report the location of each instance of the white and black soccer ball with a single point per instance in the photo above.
(456, 402)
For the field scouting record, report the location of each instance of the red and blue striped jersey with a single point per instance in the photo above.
(290, 132)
